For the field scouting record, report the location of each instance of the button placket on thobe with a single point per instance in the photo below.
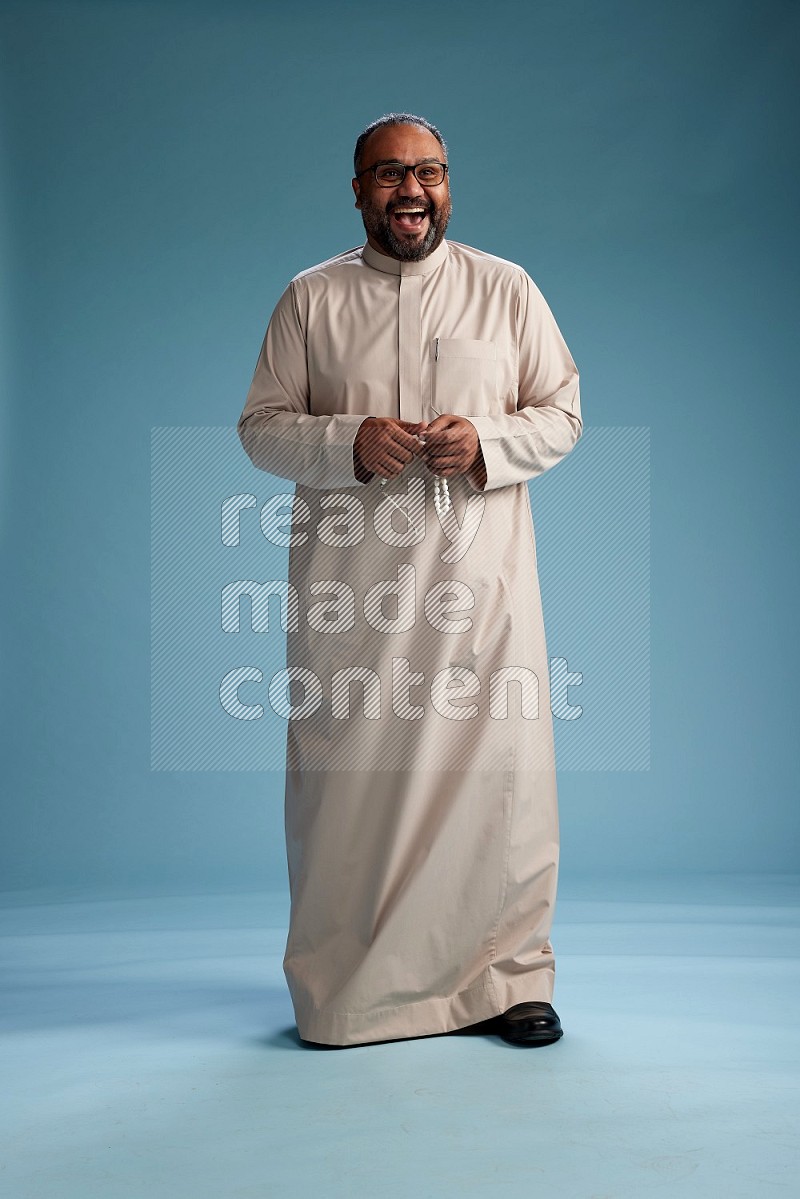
(409, 356)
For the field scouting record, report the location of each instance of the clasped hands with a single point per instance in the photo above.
(384, 446)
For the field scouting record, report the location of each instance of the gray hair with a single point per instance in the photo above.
(395, 118)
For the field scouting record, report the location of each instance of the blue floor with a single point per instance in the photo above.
(149, 1051)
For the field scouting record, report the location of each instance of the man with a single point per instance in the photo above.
(410, 387)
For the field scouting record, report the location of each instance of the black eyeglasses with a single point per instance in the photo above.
(392, 174)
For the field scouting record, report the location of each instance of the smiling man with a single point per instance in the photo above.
(407, 215)
(410, 388)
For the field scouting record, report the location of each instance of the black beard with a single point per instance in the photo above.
(377, 224)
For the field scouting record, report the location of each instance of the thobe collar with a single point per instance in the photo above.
(393, 266)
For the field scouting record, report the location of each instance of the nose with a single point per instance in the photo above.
(410, 188)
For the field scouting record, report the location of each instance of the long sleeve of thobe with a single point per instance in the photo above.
(518, 446)
(276, 429)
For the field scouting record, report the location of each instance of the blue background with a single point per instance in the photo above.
(166, 168)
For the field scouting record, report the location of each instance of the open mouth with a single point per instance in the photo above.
(411, 219)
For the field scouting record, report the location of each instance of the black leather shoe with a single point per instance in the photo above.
(530, 1024)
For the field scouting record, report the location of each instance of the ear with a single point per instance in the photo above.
(357, 190)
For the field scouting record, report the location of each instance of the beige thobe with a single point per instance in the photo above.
(421, 806)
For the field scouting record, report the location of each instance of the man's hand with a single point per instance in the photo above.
(385, 446)
(452, 447)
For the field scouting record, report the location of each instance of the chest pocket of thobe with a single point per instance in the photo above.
(464, 377)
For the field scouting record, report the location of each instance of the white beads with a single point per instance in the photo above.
(441, 491)
(441, 495)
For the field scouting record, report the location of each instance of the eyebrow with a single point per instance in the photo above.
(385, 162)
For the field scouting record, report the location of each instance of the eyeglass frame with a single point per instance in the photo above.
(392, 162)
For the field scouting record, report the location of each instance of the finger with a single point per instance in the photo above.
(400, 437)
(456, 429)
(400, 453)
(443, 422)
(445, 450)
(382, 444)
(413, 426)
(443, 441)
(447, 455)
(398, 458)
(445, 463)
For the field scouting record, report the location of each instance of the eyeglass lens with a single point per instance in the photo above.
(391, 174)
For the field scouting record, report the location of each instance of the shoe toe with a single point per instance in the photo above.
(534, 1023)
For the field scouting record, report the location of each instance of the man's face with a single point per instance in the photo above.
(390, 225)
